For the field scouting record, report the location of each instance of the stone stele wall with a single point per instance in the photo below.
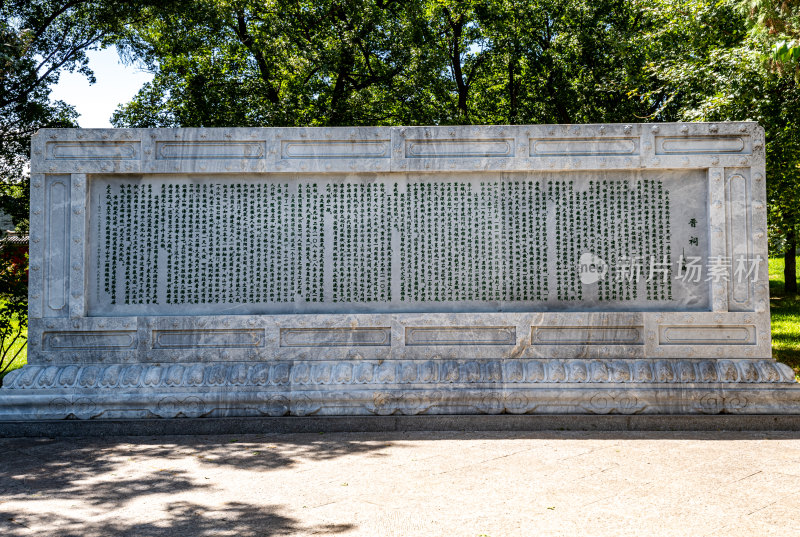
(375, 270)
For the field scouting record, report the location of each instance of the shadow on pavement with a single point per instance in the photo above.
(182, 519)
(111, 474)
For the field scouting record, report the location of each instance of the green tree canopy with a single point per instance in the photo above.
(726, 70)
(289, 62)
(778, 23)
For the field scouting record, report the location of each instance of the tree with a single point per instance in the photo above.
(389, 62)
(282, 63)
(13, 303)
(385, 62)
(24, 107)
(550, 61)
(777, 25)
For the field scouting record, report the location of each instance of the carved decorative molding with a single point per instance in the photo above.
(176, 339)
(89, 340)
(418, 372)
(458, 335)
(500, 147)
(523, 147)
(325, 149)
(584, 147)
(703, 144)
(92, 150)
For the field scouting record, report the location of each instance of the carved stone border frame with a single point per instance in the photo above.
(63, 162)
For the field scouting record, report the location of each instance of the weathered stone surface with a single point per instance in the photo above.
(408, 270)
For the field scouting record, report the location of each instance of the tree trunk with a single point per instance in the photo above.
(462, 86)
(263, 67)
(338, 107)
(512, 90)
(790, 262)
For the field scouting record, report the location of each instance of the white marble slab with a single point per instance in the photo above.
(536, 268)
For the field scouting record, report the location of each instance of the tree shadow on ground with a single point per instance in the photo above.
(91, 471)
(263, 452)
(179, 519)
(110, 474)
(60, 467)
(55, 463)
(105, 475)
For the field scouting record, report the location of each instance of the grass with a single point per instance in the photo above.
(21, 359)
(785, 319)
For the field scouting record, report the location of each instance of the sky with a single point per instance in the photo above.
(116, 84)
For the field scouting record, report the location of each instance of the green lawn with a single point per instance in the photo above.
(785, 319)
(21, 359)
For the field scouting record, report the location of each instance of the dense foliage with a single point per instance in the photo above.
(40, 39)
(778, 22)
(288, 62)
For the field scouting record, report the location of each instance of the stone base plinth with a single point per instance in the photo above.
(361, 387)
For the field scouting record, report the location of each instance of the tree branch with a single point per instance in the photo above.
(263, 68)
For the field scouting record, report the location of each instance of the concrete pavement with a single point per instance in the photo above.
(404, 484)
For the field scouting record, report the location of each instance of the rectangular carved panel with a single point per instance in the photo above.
(467, 335)
(500, 147)
(333, 243)
(325, 149)
(57, 222)
(587, 335)
(546, 242)
(116, 340)
(581, 147)
(209, 150)
(707, 335)
(739, 248)
(93, 150)
(703, 144)
(335, 337)
(170, 339)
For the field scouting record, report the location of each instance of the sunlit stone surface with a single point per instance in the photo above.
(543, 269)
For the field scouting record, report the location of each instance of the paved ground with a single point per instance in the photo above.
(404, 484)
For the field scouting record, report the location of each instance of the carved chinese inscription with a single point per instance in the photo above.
(483, 243)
